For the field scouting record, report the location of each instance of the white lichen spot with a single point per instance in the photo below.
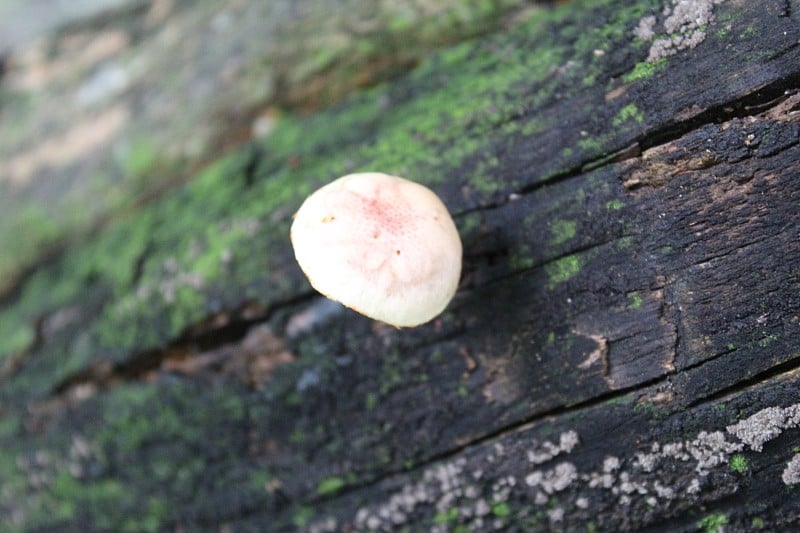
(628, 485)
(644, 30)
(443, 487)
(319, 312)
(541, 453)
(309, 379)
(610, 463)
(482, 508)
(791, 474)
(710, 450)
(327, 525)
(765, 425)
(684, 23)
(601, 480)
(556, 515)
(373, 522)
(553, 480)
(501, 489)
(645, 461)
(666, 493)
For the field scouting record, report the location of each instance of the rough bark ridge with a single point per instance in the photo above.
(623, 351)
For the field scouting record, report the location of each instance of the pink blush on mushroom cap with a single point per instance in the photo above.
(381, 245)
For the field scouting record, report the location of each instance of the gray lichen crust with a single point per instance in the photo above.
(765, 425)
(684, 24)
(476, 492)
(791, 474)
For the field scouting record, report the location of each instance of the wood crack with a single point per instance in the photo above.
(785, 368)
(749, 105)
(487, 438)
(208, 336)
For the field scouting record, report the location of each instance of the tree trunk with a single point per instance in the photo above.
(622, 352)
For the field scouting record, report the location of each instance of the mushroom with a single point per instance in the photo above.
(381, 245)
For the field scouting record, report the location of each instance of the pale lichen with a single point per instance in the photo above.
(644, 30)
(684, 24)
(791, 474)
(485, 489)
(765, 425)
(547, 450)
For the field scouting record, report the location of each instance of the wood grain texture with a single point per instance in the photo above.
(622, 352)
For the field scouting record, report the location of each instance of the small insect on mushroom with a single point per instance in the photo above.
(381, 245)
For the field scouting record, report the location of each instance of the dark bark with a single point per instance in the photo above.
(622, 353)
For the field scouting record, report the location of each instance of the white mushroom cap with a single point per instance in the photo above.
(381, 245)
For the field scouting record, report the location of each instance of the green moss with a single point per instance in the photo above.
(107, 500)
(469, 223)
(9, 425)
(768, 340)
(396, 372)
(16, 334)
(330, 485)
(135, 416)
(129, 425)
(651, 409)
(749, 32)
(443, 517)
(482, 179)
(520, 258)
(24, 234)
(713, 523)
(615, 204)
(562, 231)
(322, 58)
(160, 269)
(739, 463)
(592, 145)
(501, 509)
(562, 269)
(157, 510)
(370, 401)
(63, 491)
(644, 69)
(138, 157)
(302, 516)
(758, 523)
(297, 436)
(634, 300)
(627, 113)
